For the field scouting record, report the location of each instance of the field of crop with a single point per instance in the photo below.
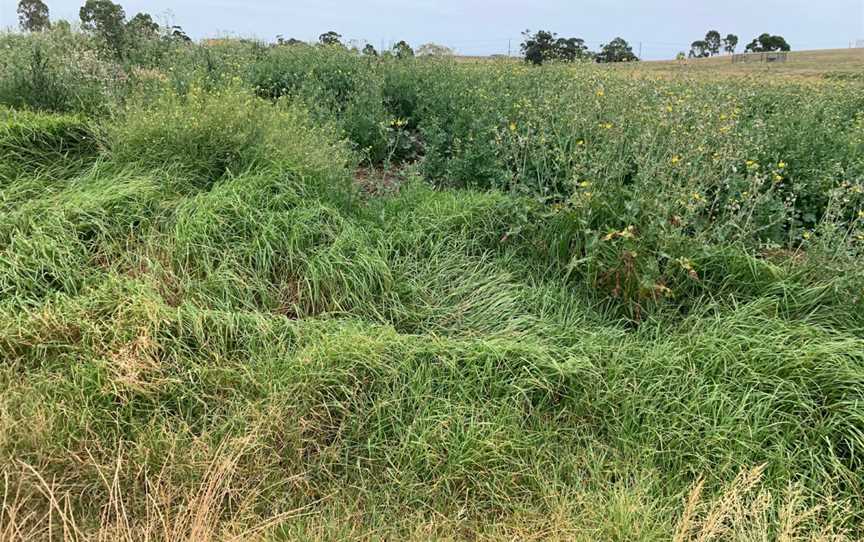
(292, 293)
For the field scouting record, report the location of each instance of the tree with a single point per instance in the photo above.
(403, 50)
(778, 43)
(369, 50)
(730, 43)
(570, 49)
(713, 42)
(766, 43)
(143, 26)
(617, 50)
(433, 49)
(177, 33)
(538, 48)
(107, 20)
(280, 40)
(699, 49)
(544, 46)
(330, 38)
(33, 16)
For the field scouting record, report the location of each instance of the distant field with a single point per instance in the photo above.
(800, 63)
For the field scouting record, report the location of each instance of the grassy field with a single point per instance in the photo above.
(291, 293)
(832, 63)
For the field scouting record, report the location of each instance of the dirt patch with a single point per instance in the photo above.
(379, 181)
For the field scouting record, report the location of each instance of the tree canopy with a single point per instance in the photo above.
(544, 46)
(280, 40)
(538, 48)
(107, 20)
(730, 43)
(142, 25)
(617, 50)
(403, 50)
(571, 49)
(433, 49)
(33, 16)
(713, 42)
(766, 43)
(330, 38)
(177, 33)
(699, 49)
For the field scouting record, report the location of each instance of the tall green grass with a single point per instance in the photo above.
(209, 331)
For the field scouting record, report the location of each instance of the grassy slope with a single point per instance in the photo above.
(207, 332)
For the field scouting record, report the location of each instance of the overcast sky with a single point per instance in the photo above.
(663, 27)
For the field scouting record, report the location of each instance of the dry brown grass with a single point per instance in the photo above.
(219, 508)
(135, 368)
(808, 64)
(745, 512)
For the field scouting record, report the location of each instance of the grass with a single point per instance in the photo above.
(561, 303)
(828, 63)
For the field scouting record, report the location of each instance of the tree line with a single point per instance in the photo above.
(400, 49)
(108, 21)
(713, 43)
(104, 19)
(544, 46)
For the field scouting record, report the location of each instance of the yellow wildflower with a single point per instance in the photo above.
(627, 233)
